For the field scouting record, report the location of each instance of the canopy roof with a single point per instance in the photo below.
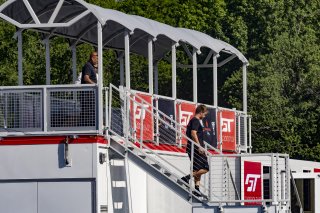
(77, 20)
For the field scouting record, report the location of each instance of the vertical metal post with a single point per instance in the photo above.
(179, 123)
(121, 71)
(191, 169)
(157, 120)
(20, 57)
(244, 77)
(215, 80)
(127, 58)
(239, 135)
(141, 126)
(288, 186)
(110, 104)
(174, 71)
(45, 111)
(100, 80)
(106, 123)
(47, 45)
(74, 63)
(156, 87)
(150, 63)
(195, 75)
(250, 142)
(220, 129)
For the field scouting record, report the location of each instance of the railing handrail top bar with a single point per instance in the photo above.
(252, 155)
(47, 86)
(190, 102)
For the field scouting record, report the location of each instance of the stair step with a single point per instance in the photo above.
(167, 173)
(142, 156)
(156, 166)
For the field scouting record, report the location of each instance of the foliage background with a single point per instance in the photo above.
(281, 39)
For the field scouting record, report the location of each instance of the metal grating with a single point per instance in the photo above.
(21, 110)
(71, 108)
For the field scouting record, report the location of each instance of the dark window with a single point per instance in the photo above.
(307, 194)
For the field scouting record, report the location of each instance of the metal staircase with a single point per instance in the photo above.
(126, 142)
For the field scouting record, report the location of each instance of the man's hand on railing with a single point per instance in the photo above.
(201, 150)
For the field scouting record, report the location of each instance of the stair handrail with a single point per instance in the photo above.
(296, 191)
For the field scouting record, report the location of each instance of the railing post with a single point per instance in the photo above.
(238, 116)
(179, 122)
(157, 120)
(220, 129)
(110, 105)
(191, 170)
(45, 100)
(141, 126)
(250, 142)
(106, 102)
(288, 188)
(100, 81)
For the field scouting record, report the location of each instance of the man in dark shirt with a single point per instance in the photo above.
(89, 75)
(88, 98)
(195, 132)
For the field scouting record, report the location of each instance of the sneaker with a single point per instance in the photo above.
(184, 180)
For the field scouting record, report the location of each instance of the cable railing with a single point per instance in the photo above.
(229, 180)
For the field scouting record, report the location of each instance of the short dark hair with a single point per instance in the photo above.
(201, 108)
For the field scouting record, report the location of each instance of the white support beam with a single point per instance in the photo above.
(150, 64)
(48, 66)
(206, 61)
(156, 82)
(74, 63)
(20, 57)
(187, 51)
(244, 77)
(31, 11)
(127, 58)
(56, 11)
(100, 80)
(174, 70)
(195, 75)
(215, 80)
(227, 60)
(10, 20)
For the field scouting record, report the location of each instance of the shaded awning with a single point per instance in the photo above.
(77, 20)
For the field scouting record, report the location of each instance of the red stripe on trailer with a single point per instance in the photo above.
(44, 140)
(316, 170)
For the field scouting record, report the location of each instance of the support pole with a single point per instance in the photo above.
(195, 77)
(215, 80)
(121, 71)
(244, 77)
(100, 80)
(20, 58)
(74, 63)
(156, 82)
(47, 45)
(174, 71)
(150, 63)
(127, 58)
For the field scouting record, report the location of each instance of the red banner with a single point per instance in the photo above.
(316, 170)
(228, 127)
(137, 113)
(185, 111)
(252, 182)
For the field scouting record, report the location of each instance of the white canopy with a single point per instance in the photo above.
(77, 20)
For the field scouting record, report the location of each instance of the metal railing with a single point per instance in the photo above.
(130, 119)
(48, 109)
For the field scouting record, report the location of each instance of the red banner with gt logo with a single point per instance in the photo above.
(185, 111)
(137, 113)
(227, 125)
(252, 182)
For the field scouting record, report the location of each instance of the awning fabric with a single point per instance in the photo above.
(114, 25)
